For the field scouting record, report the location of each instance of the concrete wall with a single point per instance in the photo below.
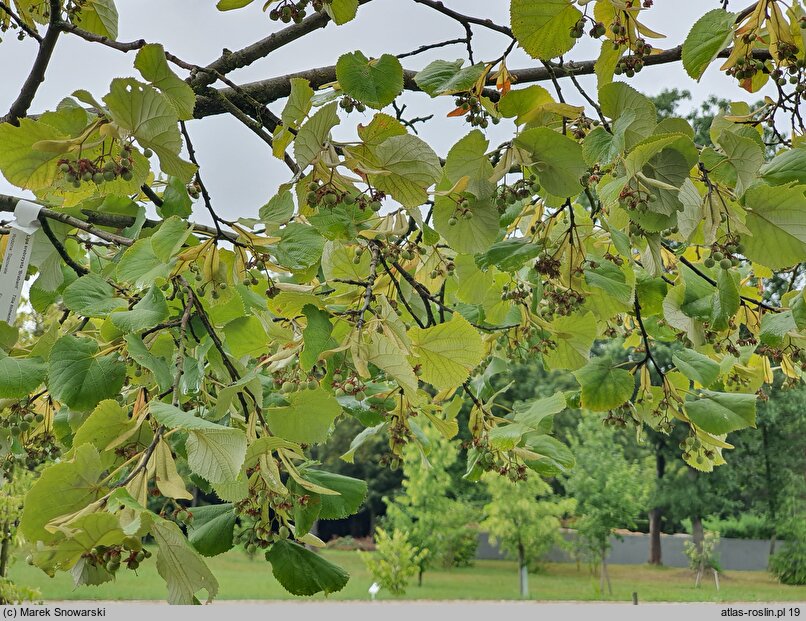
(633, 549)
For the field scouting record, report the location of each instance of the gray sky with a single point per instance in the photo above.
(237, 168)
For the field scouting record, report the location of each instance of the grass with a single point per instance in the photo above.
(243, 579)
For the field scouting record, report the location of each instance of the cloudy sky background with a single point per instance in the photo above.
(236, 165)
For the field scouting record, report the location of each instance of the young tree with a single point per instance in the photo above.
(435, 521)
(523, 519)
(382, 279)
(610, 491)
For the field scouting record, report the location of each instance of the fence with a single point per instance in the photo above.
(633, 549)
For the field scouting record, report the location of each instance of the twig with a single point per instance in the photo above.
(19, 21)
(78, 269)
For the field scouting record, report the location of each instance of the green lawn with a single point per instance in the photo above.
(241, 578)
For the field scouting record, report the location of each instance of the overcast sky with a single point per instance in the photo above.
(237, 168)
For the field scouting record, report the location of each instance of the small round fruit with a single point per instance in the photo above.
(717, 256)
(725, 264)
(360, 395)
(109, 175)
(127, 175)
(112, 566)
(709, 262)
(452, 221)
(147, 152)
(287, 387)
(98, 178)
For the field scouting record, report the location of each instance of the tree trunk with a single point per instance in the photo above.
(420, 577)
(5, 548)
(771, 500)
(605, 575)
(697, 532)
(656, 515)
(524, 572)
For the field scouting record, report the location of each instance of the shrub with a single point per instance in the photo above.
(395, 561)
(705, 558)
(744, 526)
(788, 565)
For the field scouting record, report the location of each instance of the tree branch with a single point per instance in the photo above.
(22, 25)
(78, 269)
(230, 61)
(37, 75)
(272, 89)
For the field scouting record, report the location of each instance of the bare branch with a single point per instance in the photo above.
(230, 61)
(266, 91)
(37, 75)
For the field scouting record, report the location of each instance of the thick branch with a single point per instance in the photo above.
(266, 91)
(37, 75)
(230, 61)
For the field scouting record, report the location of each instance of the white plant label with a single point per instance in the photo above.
(16, 258)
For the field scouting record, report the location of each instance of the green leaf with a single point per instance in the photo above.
(509, 255)
(245, 336)
(175, 199)
(108, 421)
(170, 237)
(278, 210)
(574, 336)
(711, 34)
(229, 5)
(316, 336)
(63, 488)
(19, 377)
(446, 353)
(79, 379)
(386, 354)
(696, 366)
(141, 355)
(788, 166)
(374, 82)
(618, 99)
(153, 66)
(777, 224)
(534, 413)
(604, 386)
(442, 77)
(410, 167)
(91, 296)
(140, 266)
(211, 532)
(745, 156)
(608, 277)
(183, 570)
(21, 164)
(556, 159)
(307, 418)
(302, 572)
(214, 452)
(300, 246)
(314, 134)
(149, 115)
(98, 17)
(351, 493)
(775, 327)
(468, 159)
(555, 457)
(147, 313)
(722, 412)
(467, 235)
(299, 102)
(342, 11)
(543, 28)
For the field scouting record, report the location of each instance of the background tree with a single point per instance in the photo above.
(609, 490)
(523, 519)
(434, 519)
(383, 282)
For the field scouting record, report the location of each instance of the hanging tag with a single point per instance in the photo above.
(17, 257)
